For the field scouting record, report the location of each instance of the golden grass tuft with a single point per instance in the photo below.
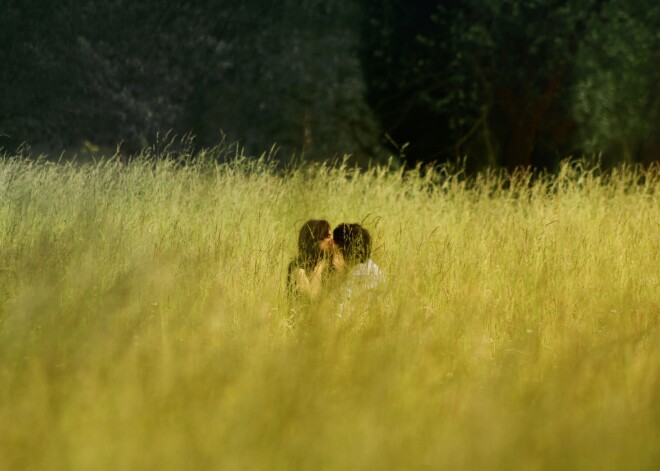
(144, 322)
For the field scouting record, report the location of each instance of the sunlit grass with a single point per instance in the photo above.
(144, 322)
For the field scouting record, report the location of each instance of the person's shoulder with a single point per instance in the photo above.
(372, 265)
(369, 271)
(371, 268)
(365, 268)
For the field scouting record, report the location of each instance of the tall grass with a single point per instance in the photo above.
(144, 322)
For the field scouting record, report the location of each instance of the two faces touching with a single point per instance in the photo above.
(324, 255)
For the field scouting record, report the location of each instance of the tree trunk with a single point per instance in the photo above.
(524, 119)
(520, 143)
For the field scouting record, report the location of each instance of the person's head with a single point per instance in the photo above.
(354, 241)
(315, 241)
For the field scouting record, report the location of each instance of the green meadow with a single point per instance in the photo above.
(144, 322)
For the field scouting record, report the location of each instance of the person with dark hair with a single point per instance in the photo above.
(354, 244)
(309, 270)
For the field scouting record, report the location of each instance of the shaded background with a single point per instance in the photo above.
(505, 83)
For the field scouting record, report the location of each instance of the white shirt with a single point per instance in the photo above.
(361, 279)
(366, 275)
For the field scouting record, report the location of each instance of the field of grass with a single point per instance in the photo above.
(144, 322)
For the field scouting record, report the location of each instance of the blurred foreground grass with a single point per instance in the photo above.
(144, 322)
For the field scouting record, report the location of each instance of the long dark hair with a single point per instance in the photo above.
(311, 234)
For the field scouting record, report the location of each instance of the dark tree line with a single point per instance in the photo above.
(503, 82)
(518, 82)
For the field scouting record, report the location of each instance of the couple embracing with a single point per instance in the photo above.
(339, 258)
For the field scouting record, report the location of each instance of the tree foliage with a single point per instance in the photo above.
(519, 82)
(294, 77)
(124, 71)
(504, 82)
(615, 101)
(114, 70)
